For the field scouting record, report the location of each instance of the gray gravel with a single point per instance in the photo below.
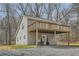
(43, 51)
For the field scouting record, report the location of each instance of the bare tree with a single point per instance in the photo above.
(76, 24)
(7, 8)
(48, 10)
(36, 9)
(23, 8)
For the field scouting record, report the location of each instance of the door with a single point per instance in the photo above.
(44, 38)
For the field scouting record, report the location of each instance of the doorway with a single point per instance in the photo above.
(44, 40)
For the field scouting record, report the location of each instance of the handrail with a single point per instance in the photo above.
(50, 26)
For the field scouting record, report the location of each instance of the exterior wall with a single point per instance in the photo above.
(22, 35)
(31, 35)
(32, 38)
(51, 39)
(56, 41)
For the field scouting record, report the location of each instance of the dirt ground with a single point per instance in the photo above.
(42, 51)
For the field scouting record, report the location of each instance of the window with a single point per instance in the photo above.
(24, 37)
(22, 26)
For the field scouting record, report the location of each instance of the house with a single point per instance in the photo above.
(36, 31)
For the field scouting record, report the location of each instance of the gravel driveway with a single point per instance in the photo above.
(43, 51)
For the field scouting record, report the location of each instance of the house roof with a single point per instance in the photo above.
(44, 20)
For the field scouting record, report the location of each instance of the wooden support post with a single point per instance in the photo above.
(68, 38)
(36, 34)
(55, 36)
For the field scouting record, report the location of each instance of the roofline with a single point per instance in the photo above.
(44, 20)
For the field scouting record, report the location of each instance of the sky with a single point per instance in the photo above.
(64, 5)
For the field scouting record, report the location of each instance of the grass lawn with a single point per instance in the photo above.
(22, 46)
(13, 47)
(71, 44)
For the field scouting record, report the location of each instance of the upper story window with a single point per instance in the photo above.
(22, 26)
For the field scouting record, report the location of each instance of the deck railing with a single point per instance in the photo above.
(48, 26)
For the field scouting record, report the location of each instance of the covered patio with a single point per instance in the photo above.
(47, 27)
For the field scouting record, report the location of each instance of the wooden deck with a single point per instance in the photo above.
(48, 27)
